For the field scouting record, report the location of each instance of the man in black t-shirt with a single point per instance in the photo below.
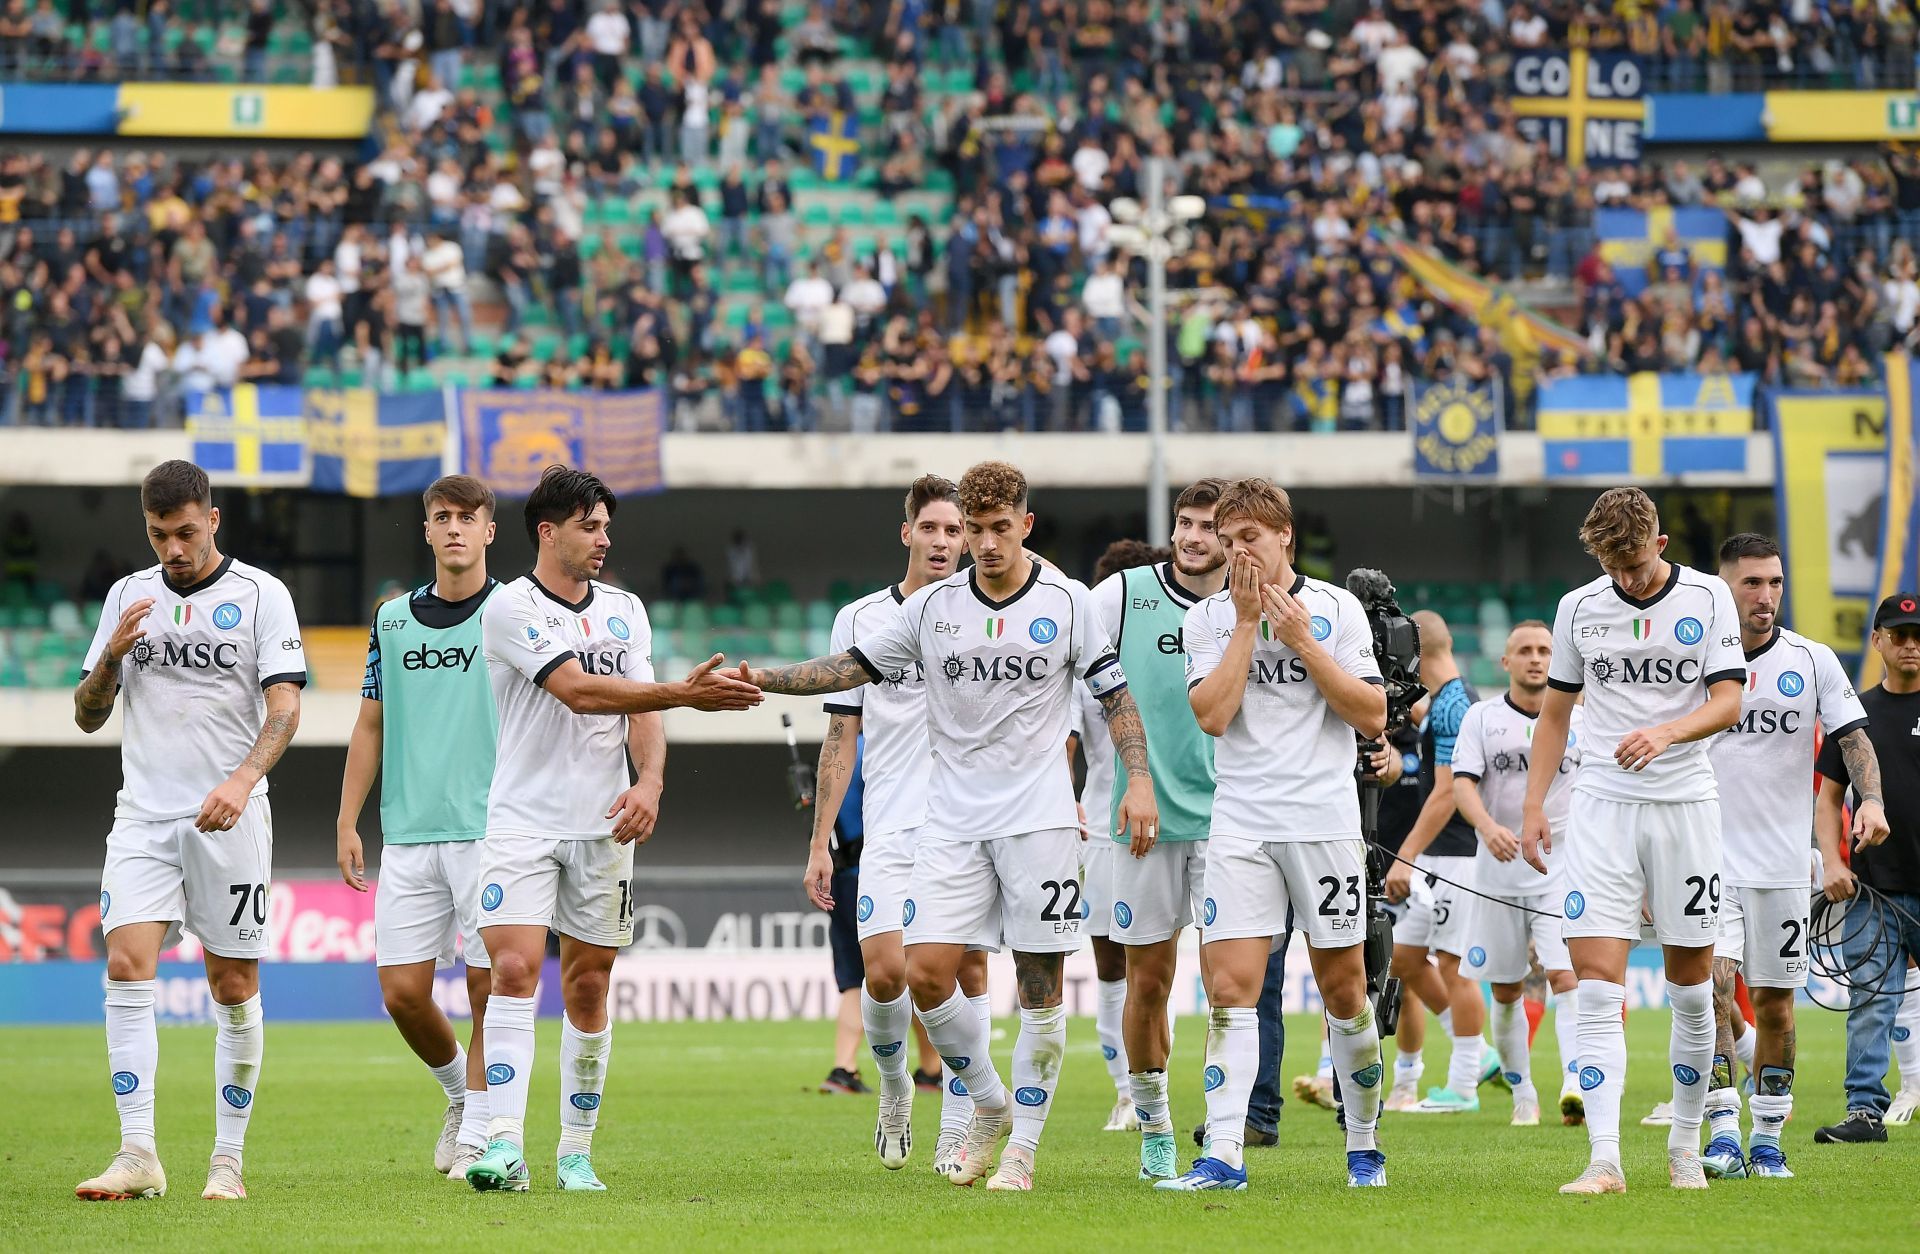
(1886, 857)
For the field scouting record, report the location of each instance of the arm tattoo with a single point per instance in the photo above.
(274, 735)
(1039, 978)
(823, 674)
(93, 699)
(1128, 732)
(1863, 765)
(833, 764)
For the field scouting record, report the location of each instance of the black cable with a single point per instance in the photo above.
(1441, 879)
(1842, 922)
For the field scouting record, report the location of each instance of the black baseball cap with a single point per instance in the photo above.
(1902, 609)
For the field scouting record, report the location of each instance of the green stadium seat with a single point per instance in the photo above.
(853, 214)
(727, 618)
(790, 616)
(819, 642)
(90, 614)
(820, 615)
(841, 591)
(757, 616)
(816, 216)
(664, 615)
(790, 646)
(886, 214)
(32, 617)
(695, 619)
(774, 591)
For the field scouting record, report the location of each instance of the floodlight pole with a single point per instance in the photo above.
(1159, 527)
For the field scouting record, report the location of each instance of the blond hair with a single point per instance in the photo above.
(1261, 500)
(1620, 524)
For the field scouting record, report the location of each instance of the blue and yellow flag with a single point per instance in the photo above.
(509, 437)
(367, 444)
(1646, 426)
(1829, 476)
(834, 141)
(1632, 241)
(1900, 524)
(249, 436)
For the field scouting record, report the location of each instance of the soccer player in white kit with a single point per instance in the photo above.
(208, 652)
(1490, 765)
(1280, 669)
(570, 660)
(892, 715)
(1656, 649)
(1002, 644)
(1766, 812)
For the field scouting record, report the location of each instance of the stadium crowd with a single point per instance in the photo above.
(632, 192)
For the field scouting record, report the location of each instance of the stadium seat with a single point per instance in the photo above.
(790, 646)
(790, 616)
(664, 614)
(727, 618)
(820, 615)
(757, 616)
(64, 617)
(695, 621)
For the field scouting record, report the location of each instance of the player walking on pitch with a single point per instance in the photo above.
(1001, 644)
(1280, 670)
(1766, 812)
(1656, 649)
(893, 716)
(570, 663)
(212, 699)
(1490, 766)
(426, 731)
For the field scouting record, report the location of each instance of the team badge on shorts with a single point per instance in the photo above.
(106, 899)
(1476, 957)
(1123, 914)
(1688, 631)
(1321, 628)
(1576, 905)
(226, 616)
(1791, 684)
(866, 909)
(491, 896)
(906, 915)
(1043, 630)
(1207, 913)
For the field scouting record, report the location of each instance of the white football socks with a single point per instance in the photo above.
(1566, 1031)
(958, 1031)
(239, 1040)
(1907, 1048)
(1692, 1058)
(1407, 1068)
(583, 1078)
(1356, 1058)
(509, 1041)
(1149, 1092)
(956, 1107)
(888, 1024)
(453, 1075)
(473, 1119)
(1111, 1003)
(1510, 1038)
(1233, 1059)
(1037, 1055)
(1603, 1065)
(1463, 1066)
(133, 1055)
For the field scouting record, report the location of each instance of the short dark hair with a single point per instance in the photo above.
(459, 491)
(174, 485)
(564, 493)
(1747, 544)
(927, 489)
(1125, 555)
(1200, 494)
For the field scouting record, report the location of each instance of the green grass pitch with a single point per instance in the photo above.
(713, 1137)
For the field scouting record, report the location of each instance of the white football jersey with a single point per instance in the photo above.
(999, 700)
(1090, 723)
(1494, 748)
(893, 717)
(1764, 762)
(555, 772)
(1643, 663)
(192, 690)
(1284, 769)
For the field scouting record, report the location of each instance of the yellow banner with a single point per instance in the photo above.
(1830, 485)
(245, 112)
(1800, 117)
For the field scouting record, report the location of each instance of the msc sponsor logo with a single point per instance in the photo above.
(1320, 627)
(125, 1082)
(196, 655)
(1644, 670)
(865, 910)
(237, 1097)
(1685, 1074)
(612, 662)
(491, 896)
(1368, 1076)
(996, 668)
(1767, 721)
(1688, 631)
(1207, 912)
(226, 616)
(1592, 1078)
(585, 1101)
(499, 1073)
(1043, 630)
(1576, 905)
(425, 659)
(1214, 1078)
(1477, 957)
(619, 628)
(1028, 1095)
(1280, 670)
(1123, 914)
(1791, 684)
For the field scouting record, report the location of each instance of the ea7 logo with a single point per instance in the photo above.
(1146, 603)
(1592, 633)
(946, 629)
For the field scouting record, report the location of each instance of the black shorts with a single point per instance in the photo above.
(843, 930)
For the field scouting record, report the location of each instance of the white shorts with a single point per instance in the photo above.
(579, 888)
(886, 874)
(427, 897)
(1097, 859)
(1251, 883)
(1436, 915)
(1497, 935)
(1665, 854)
(215, 883)
(1763, 931)
(1155, 896)
(1021, 890)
